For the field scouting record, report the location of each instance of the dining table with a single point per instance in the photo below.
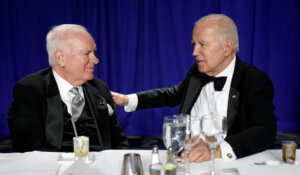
(109, 162)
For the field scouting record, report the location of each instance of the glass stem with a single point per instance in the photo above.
(187, 166)
(212, 166)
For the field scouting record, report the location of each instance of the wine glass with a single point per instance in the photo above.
(213, 132)
(173, 129)
(191, 137)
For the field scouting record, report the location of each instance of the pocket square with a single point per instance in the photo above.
(110, 110)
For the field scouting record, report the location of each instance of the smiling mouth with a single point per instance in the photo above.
(90, 69)
(200, 61)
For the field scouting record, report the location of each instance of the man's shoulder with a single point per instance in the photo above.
(193, 70)
(36, 75)
(252, 75)
(98, 86)
(36, 78)
(97, 83)
(252, 72)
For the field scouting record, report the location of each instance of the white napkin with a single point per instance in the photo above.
(80, 168)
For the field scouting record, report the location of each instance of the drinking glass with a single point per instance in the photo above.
(81, 148)
(213, 132)
(289, 151)
(173, 129)
(191, 137)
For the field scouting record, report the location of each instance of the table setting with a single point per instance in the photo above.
(179, 132)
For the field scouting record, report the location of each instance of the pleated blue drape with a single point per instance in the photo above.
(145, 44)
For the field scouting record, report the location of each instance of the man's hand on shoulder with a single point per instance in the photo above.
(119, 99)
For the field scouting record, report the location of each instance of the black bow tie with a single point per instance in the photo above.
(219, 82)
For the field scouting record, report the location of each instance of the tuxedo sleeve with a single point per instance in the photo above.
(25, 119)
(161, 97)
(255, 127)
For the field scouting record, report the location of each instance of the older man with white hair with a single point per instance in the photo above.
(45, 103)
(219, 83)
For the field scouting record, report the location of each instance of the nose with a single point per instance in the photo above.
(94, 59)
(196, 50)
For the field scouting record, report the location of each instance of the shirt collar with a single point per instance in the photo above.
(63, 86)
(228, 71)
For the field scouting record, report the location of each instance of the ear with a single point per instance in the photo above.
(228, 47)
(60, 57)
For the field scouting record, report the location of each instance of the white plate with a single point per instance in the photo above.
(70, 157)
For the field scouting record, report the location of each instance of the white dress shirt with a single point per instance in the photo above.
(209, 102)
(64, 87)
(66, 96)
(216, 102)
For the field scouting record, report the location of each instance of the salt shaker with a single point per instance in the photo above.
(155, 166)
(155, 155)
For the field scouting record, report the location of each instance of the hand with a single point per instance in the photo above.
(199, 153)
(119, 99)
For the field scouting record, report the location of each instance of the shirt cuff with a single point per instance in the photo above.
(227, 151)
(132, 103)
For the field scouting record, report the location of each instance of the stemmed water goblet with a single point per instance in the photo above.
(213, 132)
(191, 137)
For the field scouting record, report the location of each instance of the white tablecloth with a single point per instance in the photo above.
(109, 162)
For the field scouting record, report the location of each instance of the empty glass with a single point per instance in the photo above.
(191, 137)
(213, 132)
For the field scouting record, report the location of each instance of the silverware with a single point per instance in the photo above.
(260, 163)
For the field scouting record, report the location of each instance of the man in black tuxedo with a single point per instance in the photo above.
(44, 102)
(244, 94)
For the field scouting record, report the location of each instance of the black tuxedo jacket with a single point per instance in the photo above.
(250, 114)
(35, 116)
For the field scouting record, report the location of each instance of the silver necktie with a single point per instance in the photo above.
(77, 103)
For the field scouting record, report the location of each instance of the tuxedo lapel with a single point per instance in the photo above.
(232, 106)
(97, 105)
(54, 117)
(192, 94)
(234, 93)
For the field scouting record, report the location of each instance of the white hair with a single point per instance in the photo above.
(56, 39)
(227, 28)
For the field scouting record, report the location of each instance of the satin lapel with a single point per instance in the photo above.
(233, 101)
(92, 98)
(192, 94)
(234, 93)
(54, 117)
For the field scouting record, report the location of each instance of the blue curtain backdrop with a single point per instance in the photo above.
(145, 44)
